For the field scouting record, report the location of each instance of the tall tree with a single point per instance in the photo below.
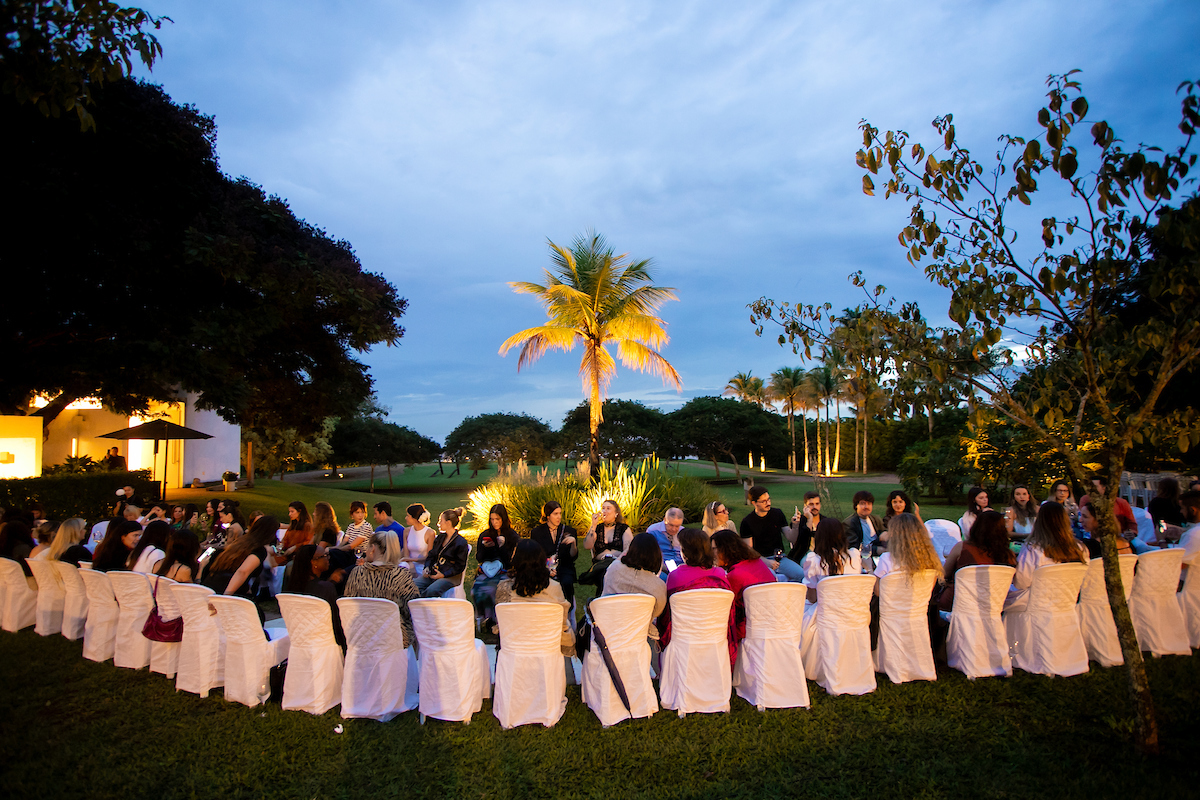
(714, 427)
(1077, 361)
(503, 438)
(787, 387)
(594, 298)
(629, 430)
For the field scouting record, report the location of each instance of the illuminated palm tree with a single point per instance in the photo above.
(594, 298)
(787, 386)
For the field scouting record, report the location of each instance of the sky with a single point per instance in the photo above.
(448, 142)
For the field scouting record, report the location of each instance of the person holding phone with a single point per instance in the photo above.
(559, 543)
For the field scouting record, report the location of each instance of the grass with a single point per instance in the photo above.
(74, 728)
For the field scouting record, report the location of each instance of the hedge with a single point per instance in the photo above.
(90, 495)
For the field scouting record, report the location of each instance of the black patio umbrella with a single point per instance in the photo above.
(158, 430)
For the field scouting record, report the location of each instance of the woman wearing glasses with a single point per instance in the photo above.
(716, 518)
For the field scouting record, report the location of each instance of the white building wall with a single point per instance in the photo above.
(206, 459)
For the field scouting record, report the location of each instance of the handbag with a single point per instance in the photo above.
(491, 568)
(156, 628)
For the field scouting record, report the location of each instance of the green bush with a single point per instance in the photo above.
(88, 495)
(938, 468)
(524, 493)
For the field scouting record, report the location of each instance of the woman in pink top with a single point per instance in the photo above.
(697, 572)
(744, 566)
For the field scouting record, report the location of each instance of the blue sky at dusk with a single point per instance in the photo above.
(448, 141)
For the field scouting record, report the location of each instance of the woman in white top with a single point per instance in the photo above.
(151, 548)
(1050, 543)
(418, 537)
(1021, 514)
(829, 556)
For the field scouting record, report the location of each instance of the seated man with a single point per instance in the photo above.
(1190, 540)
(667, 533)
(863, 527)
(764, 529)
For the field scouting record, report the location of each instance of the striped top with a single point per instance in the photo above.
(387, 581)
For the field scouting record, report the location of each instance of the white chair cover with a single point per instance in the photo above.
(904, 652)
(314, 673)
(976, 645)
(1095, 614)
(1154, 607)
(201, 664)
(249, 655)
(1044, 638)
(164, 656)
(412, 682)
(839, 654)
(1189, 604)
(531, 684)
(769, 672)
(1145, 524)
(623, 620)
(944, 534)
(20, 599)
(454, 672)
(459, 591)
(75, 601)
(696, 674)
(100, 631)
(376, 671)
(51, 597)
(133, 596)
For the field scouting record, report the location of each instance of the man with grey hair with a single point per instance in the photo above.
(667, 533)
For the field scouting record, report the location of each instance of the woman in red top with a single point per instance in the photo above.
(744, 567)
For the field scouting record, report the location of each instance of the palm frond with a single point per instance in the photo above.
(644, 359)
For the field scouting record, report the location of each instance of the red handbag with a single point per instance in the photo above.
(156, 628)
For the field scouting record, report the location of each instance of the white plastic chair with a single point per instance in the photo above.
(249, 654)
(769, 672)
(623, 620)
(1044, 638)
(696, 674)
(133, 596)
(313, 682)
(201, 664)
(1095, 614)
(454, 673)
(75, 601)
(164, 656)
(51, 597)
(904, 652)
(531, 684)
(376, 669)
(976, 645)
(1189, 605)
(1154, 607)
(459, 591)
(944, 534)
(840, 658)
(100, 630)
(19, 600)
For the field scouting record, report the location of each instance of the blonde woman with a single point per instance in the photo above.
(909, 548)
(381, 575)
(68, 543)
(716, 518)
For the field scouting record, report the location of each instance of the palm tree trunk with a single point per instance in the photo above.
(792, 430)
(857, 463)
(827, 461)
(837, 450)
(594, 416)
(804, 422)
(866, 430)
(817, 433)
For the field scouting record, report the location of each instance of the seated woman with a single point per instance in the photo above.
(1021, 514)
(119, 540)
(1050, 543)
(68, 542)
(151, 548)
(233, 571)
(560, 546)
(381, 575)
(529, 581)
(899, 503)
(418, 537)
(180, 563)
(744, 567)
(16, 540)
(910, 550)
(44, 535)
(977, 503)
(697, 572)
(716, 518)
(231, 525)
(493, 555)
(1091, 525)
(636, 572)
(299, 530)
(829, 556)
(447, 558)
(328, 532)
(310, 562)
(986, 543)
(607, 539)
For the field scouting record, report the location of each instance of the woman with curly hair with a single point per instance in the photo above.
(529, 581)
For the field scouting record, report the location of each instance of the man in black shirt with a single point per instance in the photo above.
(763, 528)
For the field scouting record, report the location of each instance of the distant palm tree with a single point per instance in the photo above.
(749, 389)
(595, 298)
(787, 386)
(825, 386)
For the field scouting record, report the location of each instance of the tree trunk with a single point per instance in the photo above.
(857, 463)
(827, 446)
(390, 484)
(837, 450)
(804, 422)
(866, 430)
(249, 464)
(716, 466)
(594, 419)
(817, 432)
(792, 431)
(929, 411)
(372, 489)
(52, 409)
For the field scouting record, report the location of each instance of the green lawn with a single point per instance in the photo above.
(74, 729)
